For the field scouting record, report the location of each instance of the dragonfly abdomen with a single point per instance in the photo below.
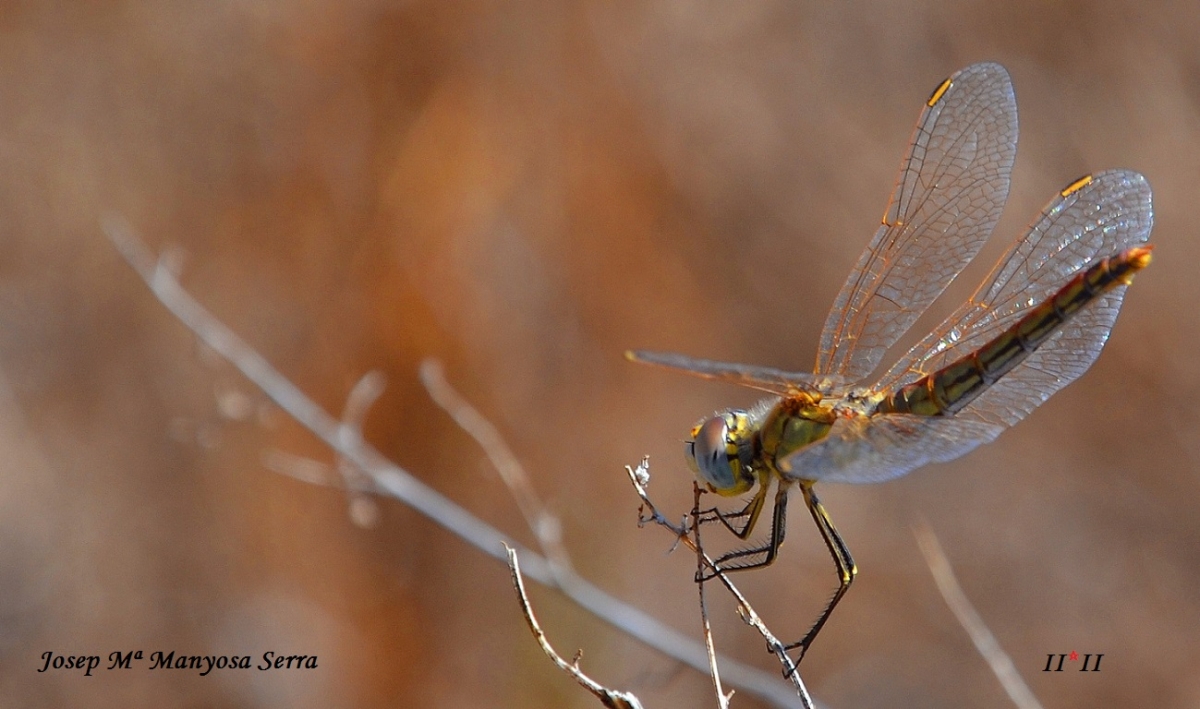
(951, 388)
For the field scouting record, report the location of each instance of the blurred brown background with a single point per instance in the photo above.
(524, 190)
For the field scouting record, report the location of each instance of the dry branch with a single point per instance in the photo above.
(385, 478)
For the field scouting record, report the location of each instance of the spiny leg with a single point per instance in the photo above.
(841, 558)
(749, 513)
(744, 558)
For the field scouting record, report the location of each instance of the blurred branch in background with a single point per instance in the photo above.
(547, 528)
(385, 478)
(985, 642)
(610, 698)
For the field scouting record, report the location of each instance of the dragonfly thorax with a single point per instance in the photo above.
(794, 423)
(722, 450)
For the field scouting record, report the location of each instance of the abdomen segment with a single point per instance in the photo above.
(951, 388)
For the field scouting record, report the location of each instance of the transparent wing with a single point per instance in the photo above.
(1107, 215)
(878, 448)
(769, 379)
(1057, 363)
(948, 196)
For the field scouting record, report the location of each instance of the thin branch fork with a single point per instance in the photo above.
(386, 478)
(688, 532)
(608, 697)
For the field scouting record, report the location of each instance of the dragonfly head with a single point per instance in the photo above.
(721, 452)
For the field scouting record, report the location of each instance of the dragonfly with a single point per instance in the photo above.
(1035, 324)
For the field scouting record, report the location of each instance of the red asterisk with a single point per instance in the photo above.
(1074, 656)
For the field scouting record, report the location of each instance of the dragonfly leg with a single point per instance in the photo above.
(748, 514)
(841, 558)
(762, 555)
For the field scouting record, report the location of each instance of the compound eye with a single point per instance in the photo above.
(709, 452)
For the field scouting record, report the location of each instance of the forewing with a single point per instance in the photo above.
(882, 447)
(1107, 215)
(948, 196)
(769, 379)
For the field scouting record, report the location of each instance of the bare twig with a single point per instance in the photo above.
(363, 510)
(363, 395)
(386, 478)
(714, 669)
(638, 477)
(986, 643)
(609, 697)
(541, 521)
(774, 645)
(304, 469)
(544, 525)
